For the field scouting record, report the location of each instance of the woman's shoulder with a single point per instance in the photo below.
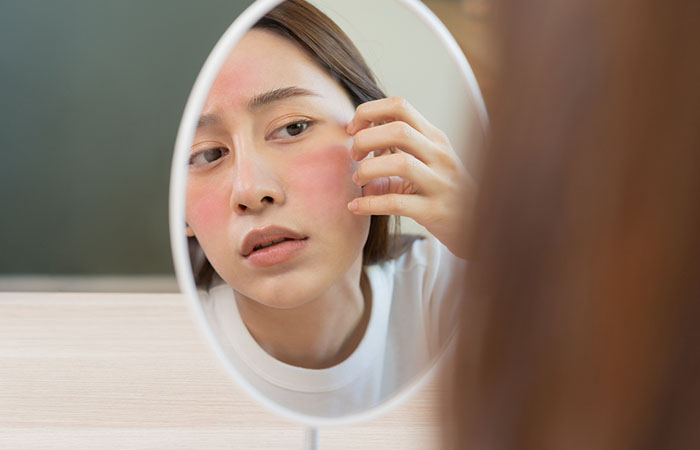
(424, 268)
(428, 280)
(427, 252)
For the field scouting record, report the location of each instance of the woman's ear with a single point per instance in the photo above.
(188, 231)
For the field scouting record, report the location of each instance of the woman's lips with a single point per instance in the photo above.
(276, 253)
(270, 245)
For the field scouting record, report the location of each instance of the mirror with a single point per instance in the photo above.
(323, 313)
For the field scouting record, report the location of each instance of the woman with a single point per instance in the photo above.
(291, 213)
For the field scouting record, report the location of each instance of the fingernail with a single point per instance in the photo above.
(352, 206)
(355, 177)
(350, 128)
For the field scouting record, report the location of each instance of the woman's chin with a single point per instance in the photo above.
(290, 290)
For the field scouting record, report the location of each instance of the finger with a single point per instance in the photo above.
(389, 110)
(396, 164)
(388, 185)
(393, 134)
(389, 204)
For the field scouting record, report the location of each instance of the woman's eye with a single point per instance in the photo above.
(293, 129)
(208, 156)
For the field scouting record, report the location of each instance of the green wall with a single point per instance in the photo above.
(92, 92)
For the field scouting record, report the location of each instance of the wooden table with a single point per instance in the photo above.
(106, 370)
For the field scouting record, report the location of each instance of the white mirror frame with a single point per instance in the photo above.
(178, 175)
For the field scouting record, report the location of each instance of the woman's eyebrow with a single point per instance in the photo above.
(207, 119)
(260, 100)
(278, 94)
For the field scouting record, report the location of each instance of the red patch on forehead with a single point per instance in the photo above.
(233, 86)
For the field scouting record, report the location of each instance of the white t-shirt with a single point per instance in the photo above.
(412, 316)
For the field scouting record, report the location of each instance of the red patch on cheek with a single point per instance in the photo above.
(323, 178)
(325, 170)
(206, 208)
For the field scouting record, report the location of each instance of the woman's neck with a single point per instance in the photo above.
(318, 334)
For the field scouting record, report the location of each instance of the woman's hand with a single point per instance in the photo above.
(414, 172)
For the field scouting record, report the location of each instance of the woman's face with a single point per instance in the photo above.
(270, 175)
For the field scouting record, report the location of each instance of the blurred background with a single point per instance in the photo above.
(92, 95)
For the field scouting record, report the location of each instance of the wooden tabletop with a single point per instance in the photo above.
(108, 370)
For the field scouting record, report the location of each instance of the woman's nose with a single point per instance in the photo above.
(255, 185)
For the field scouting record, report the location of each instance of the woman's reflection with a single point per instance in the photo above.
(300, 265)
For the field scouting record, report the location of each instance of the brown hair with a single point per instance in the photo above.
(335, 53)
(581, 329)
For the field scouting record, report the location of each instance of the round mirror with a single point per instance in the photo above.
(311, 128)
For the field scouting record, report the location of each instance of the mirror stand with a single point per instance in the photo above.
(311, 439)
